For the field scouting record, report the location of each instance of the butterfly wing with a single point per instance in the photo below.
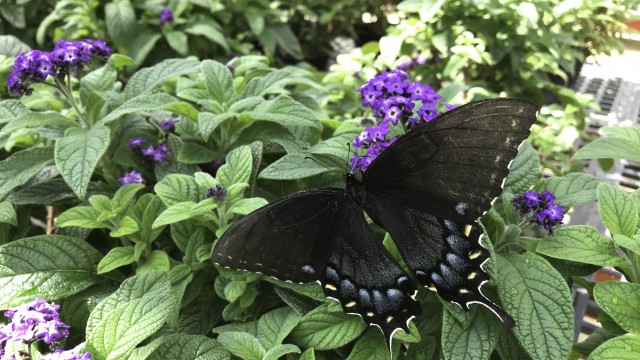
(322, 235)
(429, 187)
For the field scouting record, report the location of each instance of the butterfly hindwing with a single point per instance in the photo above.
(322, 235)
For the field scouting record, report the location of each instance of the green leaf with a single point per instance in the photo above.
(572, 189)
(178, 41)
(538, 298)
(209, 122)
(619, 348)
(191, 153)
(508, 346)
(242, 345)
(9, 44)
(618, 211)
(45, 266)
(337, 146)
(623, 143)
(101, 79)
(524, 170)
(173, 214)
(620, 300)
(8, 214)
(124, 194)
(246, 206)
(78, 153)
(18, 168)
(276, 325)
(292, 167)
(127, 226)
(39, 120)
(120, 20)
(286, 112)
(149, 104)
(81, 216)
(147, 79)
(192, 347)
(219, 81)
(234, 289)
(151, 212)
(176, 188)
(237, 168)
(10, 109)
(580, 243)
(158, 260)
(308, 354)
(210, 30)
(476, 341)
(628, 243)
(115, 258)
(245, 104)
(134, 312)
(324, 330)
(370, 347)
(278, 351)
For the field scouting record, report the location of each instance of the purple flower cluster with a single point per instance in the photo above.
(37, 320)
(541, 207)
(412, 62)
(131, 177)
(157, 154)
(394, 99)
(67, 56)
(166, 15)
(169, 125)
(67, 355)
(218, 193)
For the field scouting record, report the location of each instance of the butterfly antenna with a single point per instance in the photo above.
(318, 162)
(346, 170)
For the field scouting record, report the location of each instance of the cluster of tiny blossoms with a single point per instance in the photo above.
(394, 98)
(66, 57)
(540, 207)
(166, 15)
(33, 321)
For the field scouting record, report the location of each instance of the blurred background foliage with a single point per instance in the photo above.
(465, 49)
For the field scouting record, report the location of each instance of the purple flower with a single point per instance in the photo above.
(158, 155)
(67, 355)
(166, 15)
(392, 115)
(136, 142)
(540, 208)
(132, 177)
(218, 193)
(33, 321)
(168, 125)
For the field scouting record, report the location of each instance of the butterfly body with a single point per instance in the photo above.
(426, 189)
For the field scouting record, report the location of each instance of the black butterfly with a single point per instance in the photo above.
(427, 190)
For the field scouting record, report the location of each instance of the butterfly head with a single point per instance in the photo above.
(354, 188)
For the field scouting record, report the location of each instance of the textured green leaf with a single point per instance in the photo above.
(39, 120)
(10, 109)
(120, 20)
(210, 30)
(178, 41)
(632, 244)
(242, 345)
(152, 211)
(126, 227)
(276, 325)
(245, 206)
(124, 194)
(209, 122)
(81, 216)
(173, 214)
(623, 143)
(325, 330)
(219, 81)
(296, 166)
(134, 312)
(476, 341)
(524, 170)
(46, 266)
(78, 153)
(618, 348)
(370, 347)
(176, 188)
(580, 243)
(101, 79)
(572, 189)
(147, 104)
(237, 168)
(538, 298)
(618, 211)
(191, 347)
(278, 351)
(9, 44)
(286, 112)
(234, 289)
(18, 168)
(595, 339)
(262, 85)
(308, 354)
(508, 346)
(192, 153)
(147, 79)
(158, 260)
(245, 104)
(621, 301)
(337, 146)
(115, 258)
(8, 213)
